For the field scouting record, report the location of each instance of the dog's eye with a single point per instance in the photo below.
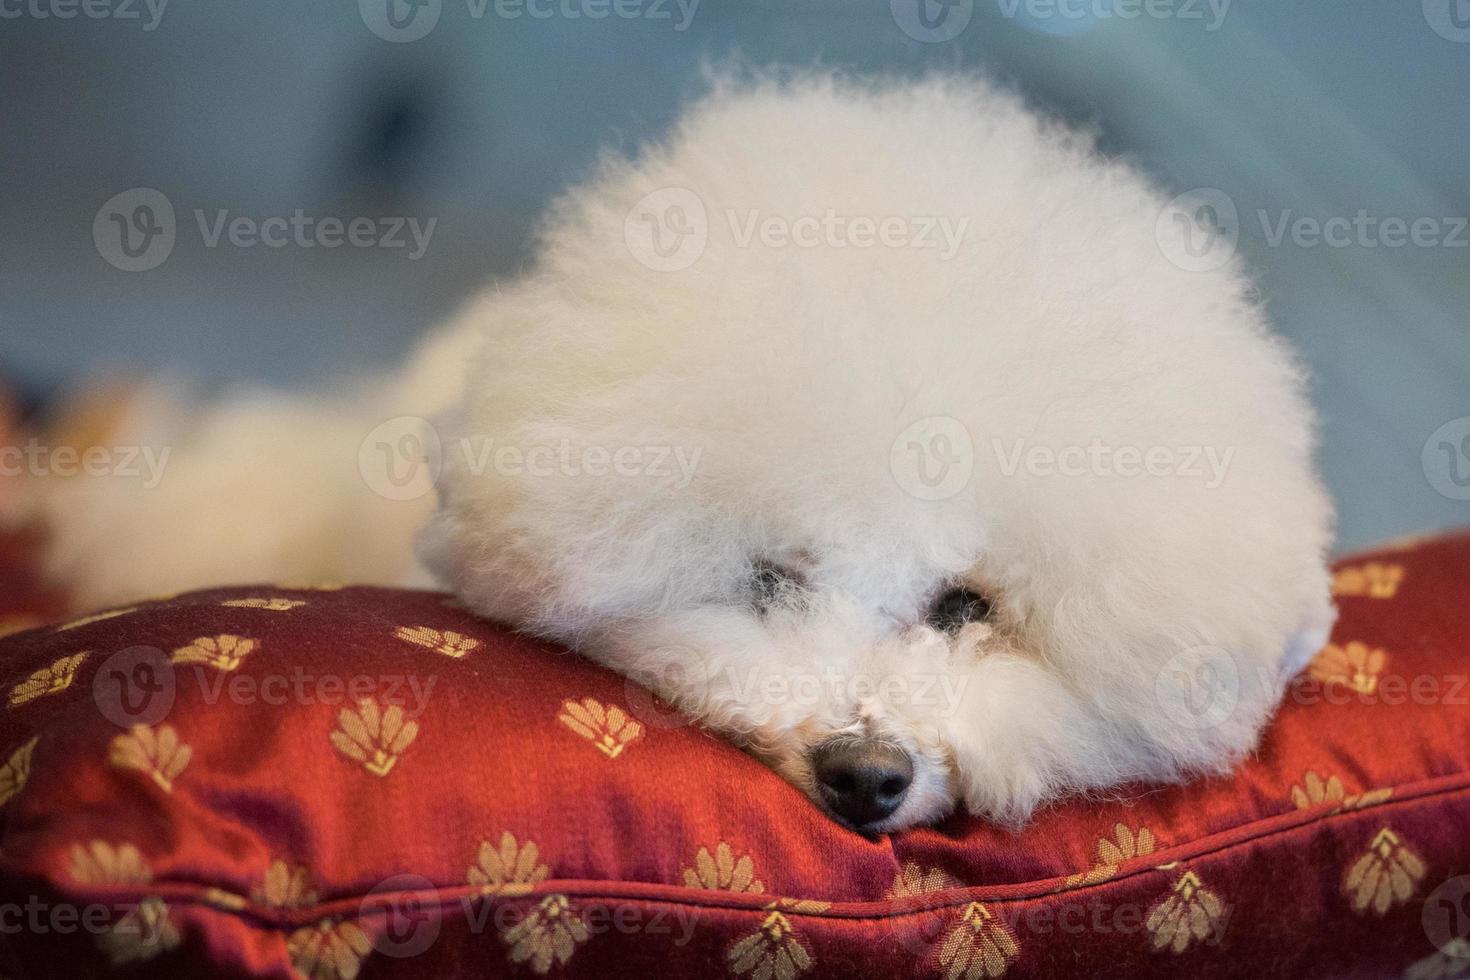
(956, 608)
(770, 584)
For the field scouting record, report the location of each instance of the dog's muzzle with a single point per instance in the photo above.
(862, 781)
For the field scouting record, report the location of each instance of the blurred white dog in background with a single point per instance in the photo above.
(868, 422)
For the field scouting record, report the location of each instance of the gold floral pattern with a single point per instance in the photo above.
(372, 736)
(328, 950)
(99, 863)
(609, 728)
(511, 869)
(981, 945)
(1124, 845)
(912, 881)
(974, 940)
(1450, 962)
(722, 871)
(548, 934)
(225, 900)
(48, 680)
(284, 887)
(95, 618)
(447, 642)
(1316, 791)
(16, 771)
(1189, 913)
(806, 906)
(225, 652)
(1354, 665)
(1375, 580)
(276, 604)
(1385, 876)
(159, 754)
(146, 930)
(772, 952)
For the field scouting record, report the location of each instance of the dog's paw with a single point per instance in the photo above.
(1003, 791)
(1022, 737)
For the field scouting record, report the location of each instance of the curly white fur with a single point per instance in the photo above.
(776, 379)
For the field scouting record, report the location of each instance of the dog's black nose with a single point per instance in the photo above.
(862, 780)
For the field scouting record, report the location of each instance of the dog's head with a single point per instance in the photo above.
(817, 616)
(913, 524)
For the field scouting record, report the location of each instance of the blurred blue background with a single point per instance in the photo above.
(262, 107)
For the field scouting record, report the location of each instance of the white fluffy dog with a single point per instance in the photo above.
(868, 423)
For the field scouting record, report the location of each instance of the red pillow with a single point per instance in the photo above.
(369, 782)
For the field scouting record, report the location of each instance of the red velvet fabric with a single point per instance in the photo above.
(269, 781)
